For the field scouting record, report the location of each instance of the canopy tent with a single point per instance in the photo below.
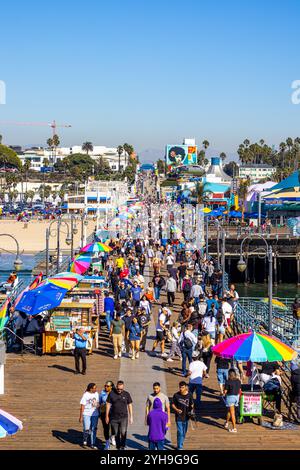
(292, 181)
(284, 196)
(216, 187)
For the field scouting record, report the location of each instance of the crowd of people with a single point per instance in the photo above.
(206, 316)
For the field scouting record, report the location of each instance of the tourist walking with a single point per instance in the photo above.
(171, 287)
(222, 372)
(80, 350)
(182, 404)
(89, 414)
(135, 333)
(108, 387)
(187, 342)
(109, 308)
(157, 393)
(175, 349)
(117, 332)
(160, 332)
(231, 393)
(119, 413)
(158, 282)
(196, 372)
(144, 322)
(157, 421)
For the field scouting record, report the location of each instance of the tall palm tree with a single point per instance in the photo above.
(56, 143)
(120, 150)
(205, 144)
(26, 168)
(223, 156)
(246, 142)
(242, 192)
(87, 147)
(51, 145)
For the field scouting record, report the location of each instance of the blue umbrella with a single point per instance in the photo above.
(42, 298)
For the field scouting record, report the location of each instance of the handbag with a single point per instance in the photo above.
(89, 343)
(69, 343)
(59, 344)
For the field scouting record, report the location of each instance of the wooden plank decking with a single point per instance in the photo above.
(44, 393)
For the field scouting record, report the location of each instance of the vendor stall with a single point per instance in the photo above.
(65, 319)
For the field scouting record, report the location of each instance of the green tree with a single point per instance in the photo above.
(102, 167)
(205, 144)
(79, 165)
(223, 156)
(56, 143)
(46, 162)
(231, 169)
(45, 191)
(9, 158)
(87, 147)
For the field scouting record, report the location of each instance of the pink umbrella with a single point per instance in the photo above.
(80, 264)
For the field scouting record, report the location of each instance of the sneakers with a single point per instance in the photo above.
(164, 355)
(94, 447)
(137, 355)
(226, 425)
(84, 443)
(107, 445)
(133, 357)
(120, 354)
(170, 360)
(116, 356)
(113, 441)
(232, 430)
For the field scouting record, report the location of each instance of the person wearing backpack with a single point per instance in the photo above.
(186, 287)
(187, 342)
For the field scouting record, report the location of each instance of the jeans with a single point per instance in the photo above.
(157, 293)
(157, 445)
(105, 426)
(108, 320)
(90, 428)
(186, 353)
(182, 427)
(198, 388)
(119, 429)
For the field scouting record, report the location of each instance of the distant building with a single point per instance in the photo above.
(37, 156)
(256, 172)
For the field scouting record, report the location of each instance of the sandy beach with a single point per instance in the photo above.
(32, 238)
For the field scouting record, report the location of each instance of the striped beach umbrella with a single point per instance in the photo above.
(80, 264)
(9, 425)
(254, 347)
(95, 247)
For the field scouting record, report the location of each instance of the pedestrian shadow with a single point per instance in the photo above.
(162, 369)
(63, 368)
(72, 436)
(141, 437)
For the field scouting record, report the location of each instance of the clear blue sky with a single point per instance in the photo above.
(150, 72)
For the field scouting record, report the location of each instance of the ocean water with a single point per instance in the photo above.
(7, 266)
(261, 290)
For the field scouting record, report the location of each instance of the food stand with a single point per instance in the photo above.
(251, 402)
(64, 321)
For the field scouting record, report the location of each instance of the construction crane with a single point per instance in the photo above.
(52, 124)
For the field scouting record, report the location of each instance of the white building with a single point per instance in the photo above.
(256, 172)
(110, 154)
(101, 198)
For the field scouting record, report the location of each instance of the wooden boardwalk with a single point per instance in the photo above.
(44, 393)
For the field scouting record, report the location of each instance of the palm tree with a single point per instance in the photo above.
(56, 143)
(87, 147)
(120, 150)
(243, 191)
(205, 144)
(222, 156)
(0, 139)
(246, 142)
(26, 168)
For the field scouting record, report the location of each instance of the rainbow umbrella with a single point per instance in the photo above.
(80, 264)
(276, 303)
(95, 248)
(254, 347)
(68, 275)
(4, 314)
(64, 283)
(9, 425)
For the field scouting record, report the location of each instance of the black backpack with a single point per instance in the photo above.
(186, 342)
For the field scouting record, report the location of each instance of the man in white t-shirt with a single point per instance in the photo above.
(196, 372)
(227, 310)
(170, 261)
(150, 255)
(160, 333)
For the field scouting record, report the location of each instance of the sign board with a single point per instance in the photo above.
(177, 155)
(251, 404)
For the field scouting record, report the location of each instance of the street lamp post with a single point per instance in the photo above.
(206, 237)
(68, 240)
(242, 265)
(18, 263)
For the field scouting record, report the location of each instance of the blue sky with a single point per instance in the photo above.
(151, 72)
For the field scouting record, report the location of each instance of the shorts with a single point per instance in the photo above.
(232, 400)
(222, 375)
(160, 336)
(221, 330)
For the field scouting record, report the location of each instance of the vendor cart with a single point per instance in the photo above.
(251, 402)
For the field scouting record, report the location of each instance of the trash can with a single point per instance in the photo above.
(2, 363)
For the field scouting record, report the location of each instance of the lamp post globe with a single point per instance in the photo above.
(75, 230)
(18, 263)
(86, 222)
(68, 241)
(241, 265)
